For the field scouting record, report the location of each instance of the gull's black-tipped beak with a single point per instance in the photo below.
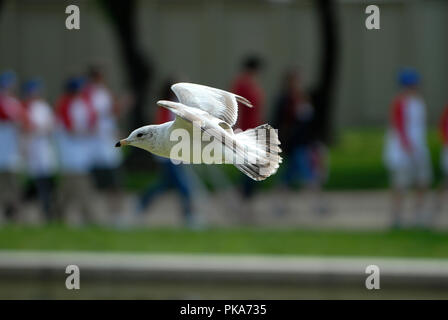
(122, 142)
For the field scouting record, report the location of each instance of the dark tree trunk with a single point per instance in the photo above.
(322, 95)
(123, 15)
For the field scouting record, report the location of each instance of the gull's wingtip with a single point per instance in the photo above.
(166, 104)
(177, 84)
(244, 101)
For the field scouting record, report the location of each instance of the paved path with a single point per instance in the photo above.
(346, 210)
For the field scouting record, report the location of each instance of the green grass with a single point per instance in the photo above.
(356, 159)
(355, 162)
(402, 243)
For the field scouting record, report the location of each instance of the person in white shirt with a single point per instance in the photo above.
(406, 152)
(41, 157)
(12, 121)
(106, 160)
(75, 129)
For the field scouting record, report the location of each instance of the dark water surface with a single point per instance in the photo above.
(120, 289)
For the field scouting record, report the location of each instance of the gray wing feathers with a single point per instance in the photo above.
(218, 103)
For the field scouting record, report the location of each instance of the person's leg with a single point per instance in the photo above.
(442, 190)
(292, 167)
(12, 196)
(115, 194)
(304, 165)
(108, 183)
(180, 181)
(443, 193)
(4, 194)
(160, 185)
(315, 176)
(281, 203)
(64, 197)
(248, 188)
(445, 184)
(400, 178)
(86, 198)
(421, 192)
(397, 207)
(73, 195)
(423, 214)
(44, 191)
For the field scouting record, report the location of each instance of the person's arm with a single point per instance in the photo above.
(19, 114)
(62, 112)
(444, 126)
(278, 112)
(399, 122)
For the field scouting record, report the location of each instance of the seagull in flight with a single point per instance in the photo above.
(212, 113)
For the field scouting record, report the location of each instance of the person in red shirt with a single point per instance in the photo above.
(444, 136)
(406, 152)
(40, 154)
(444, 155)
(76, 122)
(13, 120)
(246, 84)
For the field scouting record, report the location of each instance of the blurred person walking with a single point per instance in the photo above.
(106, 160)
(443, 158)
(406, 151)
(171, 176)
(41, 157)
(13, 119)
(76, 126)
(293, 116)
(246, 84)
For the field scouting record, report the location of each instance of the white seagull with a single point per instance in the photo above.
(211, 111)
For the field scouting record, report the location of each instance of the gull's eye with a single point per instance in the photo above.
(139, 135)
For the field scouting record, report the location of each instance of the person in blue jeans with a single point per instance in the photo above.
(300, 166)
(305, 155)
(172, 176)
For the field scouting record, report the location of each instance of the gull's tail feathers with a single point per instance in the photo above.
(262, 158)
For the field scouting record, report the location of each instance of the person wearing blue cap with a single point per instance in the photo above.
(12, 121)
(41, 158)
(406, 151)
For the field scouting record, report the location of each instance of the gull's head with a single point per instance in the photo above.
(143, 137)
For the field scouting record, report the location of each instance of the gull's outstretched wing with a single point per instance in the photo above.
(219, 103)
(246, 158)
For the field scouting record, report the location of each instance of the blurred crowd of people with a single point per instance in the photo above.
(70, 145)
(293, 117)
(72, 141)
(67, 147)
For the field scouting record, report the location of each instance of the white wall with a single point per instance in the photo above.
(205, 40)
